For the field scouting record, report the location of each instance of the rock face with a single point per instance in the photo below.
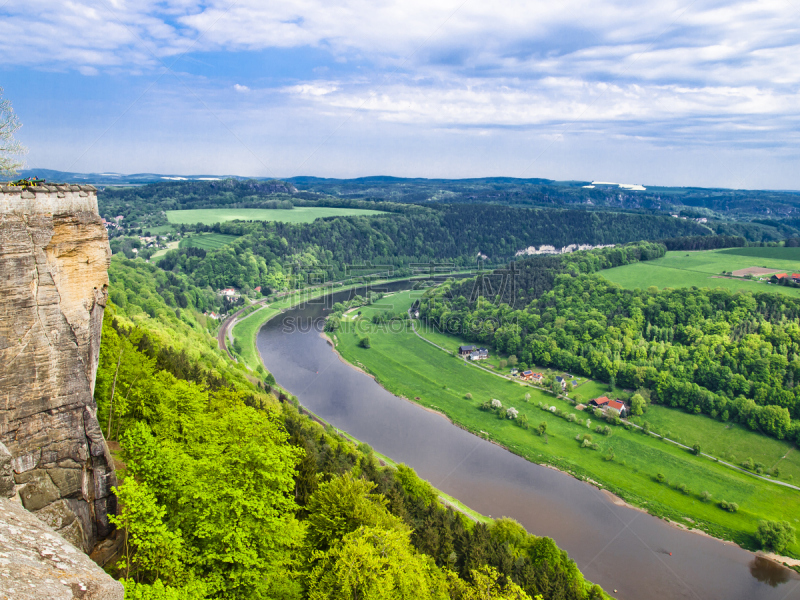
(38, 564)
(54, 258)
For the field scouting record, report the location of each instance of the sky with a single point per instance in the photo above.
(690, 93)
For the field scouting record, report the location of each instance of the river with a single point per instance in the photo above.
(618, 547)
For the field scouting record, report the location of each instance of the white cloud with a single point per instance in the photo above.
(672, 73)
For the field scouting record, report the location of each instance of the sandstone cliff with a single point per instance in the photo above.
(38, 564)
(54, 258)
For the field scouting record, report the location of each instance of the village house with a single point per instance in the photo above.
(466, 350)
(526, 375)
(600, 402)
(479, 354)
(796, 277)
(616, 407)
(230, 292)
(514, 372)
(562, 382)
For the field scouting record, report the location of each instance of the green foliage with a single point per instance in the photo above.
(774, 536)
(364, 342)
(159, 591)
(341, 506)
(375, 563)
(638, 405)
(152, 551)
(414, 486)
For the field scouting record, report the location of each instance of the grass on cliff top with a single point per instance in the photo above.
(413, 368)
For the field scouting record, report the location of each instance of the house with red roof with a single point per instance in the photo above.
(616, 407)
(600, 402)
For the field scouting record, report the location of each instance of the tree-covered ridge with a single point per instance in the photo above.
(229, 492)
(457, 235)
(730, 355)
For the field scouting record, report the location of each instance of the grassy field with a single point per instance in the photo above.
(413, 368)
(160, 230)
(246, 331)
(729, 441)
(207, 241)
(702, 269)
(300, 214)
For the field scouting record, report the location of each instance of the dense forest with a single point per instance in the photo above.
(547, 192)
(730, 355)
(229, 491)
(459, 235)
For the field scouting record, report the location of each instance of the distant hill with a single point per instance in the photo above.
(117, 178)
(691, 202)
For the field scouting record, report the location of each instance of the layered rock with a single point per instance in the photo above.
(38, 564)
(54, 258)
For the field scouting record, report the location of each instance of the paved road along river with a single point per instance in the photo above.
(615, 546)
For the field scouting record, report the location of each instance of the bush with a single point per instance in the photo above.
(661, 478)
(774, 536)
(749, 464)
(468, 396)
(364, 342)
(496, 403)
(705, 496)
(681, 487)
(731, 507)
(542, 429)
(696, 449)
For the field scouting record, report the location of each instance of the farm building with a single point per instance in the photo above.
(466, 350)
(479, 354)
(616, 407)
(600, 402)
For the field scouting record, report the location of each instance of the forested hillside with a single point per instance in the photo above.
(229, 492)
(456, 235)
(729, 355)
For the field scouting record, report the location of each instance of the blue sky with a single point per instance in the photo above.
(667, 93)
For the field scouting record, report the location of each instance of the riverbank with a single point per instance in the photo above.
(626, 462)
(246, 328)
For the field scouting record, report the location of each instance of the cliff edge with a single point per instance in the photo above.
(54, 258)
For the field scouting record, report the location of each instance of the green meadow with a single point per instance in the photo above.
(299, 214)
(728, 441)
(625, 462)
(207, 241)
(704, 268)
